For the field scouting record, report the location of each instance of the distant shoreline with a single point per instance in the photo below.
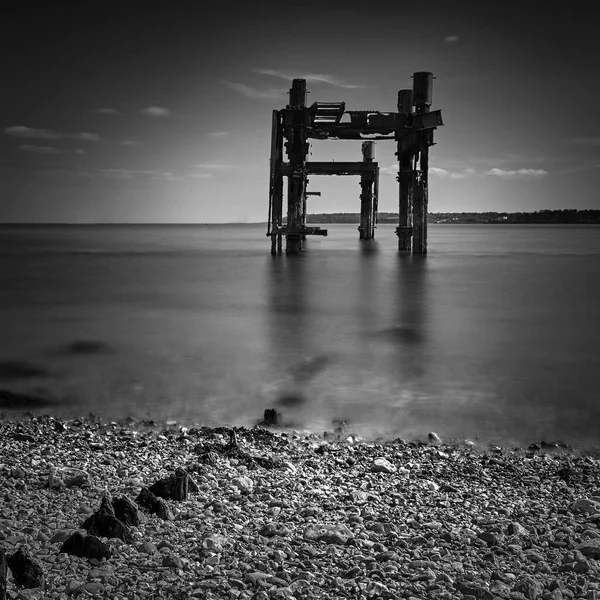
(543, 217)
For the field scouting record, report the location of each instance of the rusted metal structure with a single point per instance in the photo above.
(411, 128)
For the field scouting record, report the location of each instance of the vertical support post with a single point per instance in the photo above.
(276, 183)
(367, 180)
(297, 149)
(405, 175)
(422, 92)
(375, 204)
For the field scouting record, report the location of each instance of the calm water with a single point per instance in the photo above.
(495, 333)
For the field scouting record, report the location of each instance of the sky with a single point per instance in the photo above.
(161, 112)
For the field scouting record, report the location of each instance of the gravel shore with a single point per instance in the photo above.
(275, 514)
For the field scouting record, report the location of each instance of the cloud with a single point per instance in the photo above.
(516, 173)
(320, 78)
(255, 94)
(214, 166)
(88, 137)
(122, 174)
(451, 38)
(108, 111)
(218, 134)
(21, 131)
(80, 151)
(40, 149)
(130, 143)
(156, 111)
(204, 175)
(445, 174)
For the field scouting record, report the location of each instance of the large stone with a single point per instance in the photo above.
(215, 542)
(26, 571)
(153, 505)
(590, 548)
(530, 587)
(273, 529)
(87, 546)
(330, 534)
(472, 589)
(174, 487)
(104, 523)
(585, 506)
(516, 529)
(434, 439)
(244, 484)
(382, 465)
(126, 511)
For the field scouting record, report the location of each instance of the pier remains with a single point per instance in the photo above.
(411, 128)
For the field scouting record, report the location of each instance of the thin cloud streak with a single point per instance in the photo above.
(320, 78)
(214, 166)
(21, 131)
(253, 93)
(156, 111)
(451, 39)
(218, 134)
(445, 174)
(509, 174)
(40, 149)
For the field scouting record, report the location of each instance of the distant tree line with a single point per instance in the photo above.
(563, 216)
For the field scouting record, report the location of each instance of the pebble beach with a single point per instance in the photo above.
(271, 513)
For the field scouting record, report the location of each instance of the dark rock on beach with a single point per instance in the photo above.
(104, 523)
(26, 571)
(174, 487)
(87, 546)
(126, 511)
(152, 504)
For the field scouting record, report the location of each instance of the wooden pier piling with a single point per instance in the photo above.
(411, 128)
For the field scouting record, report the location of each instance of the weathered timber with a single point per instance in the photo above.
(411, 127)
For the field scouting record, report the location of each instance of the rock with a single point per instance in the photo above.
(471, 589)
(215, 542)
(530, 587)
(91, 587)
(126, 511)
(87, 546)
(256, 577)
(172, 562)
(516, 529)
(155, 506)
(585, 506)
(330, 534)
(244, 484)
(147, 548)
(271, 418)
(590, 548)
(26, 571)
(273, 529)
(60, 536)
(103, 523)
(81, 479)
(382, 465)
(174, 487)
(489, 538)
(54, 481)
(434, 438)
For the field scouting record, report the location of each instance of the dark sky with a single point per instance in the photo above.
(131, 112)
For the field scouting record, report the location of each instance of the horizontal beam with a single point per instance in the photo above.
(304, 230)
(333, 168)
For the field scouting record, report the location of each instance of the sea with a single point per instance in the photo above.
(492, 336)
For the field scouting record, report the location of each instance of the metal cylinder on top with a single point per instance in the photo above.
(422, 88)
(405, 102)
(298, 93)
